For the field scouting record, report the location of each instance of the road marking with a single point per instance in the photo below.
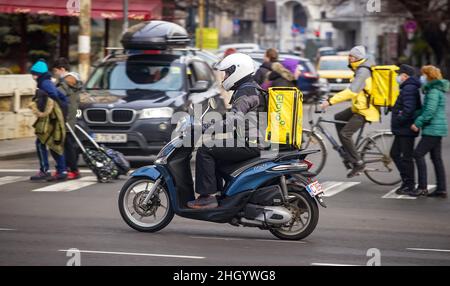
(393, 195)
(31, 171)
(248, 239)
(7, 229)
(332, 264)
(332, 188)
(137, 254)
(69, 186)
(11, 179)
(432, 250)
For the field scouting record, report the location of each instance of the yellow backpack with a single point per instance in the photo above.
(385, 89)
(285, 116)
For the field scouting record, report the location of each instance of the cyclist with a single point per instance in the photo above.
(361, 110)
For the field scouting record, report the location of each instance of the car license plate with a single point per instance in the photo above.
(110, 138)
(314, 189)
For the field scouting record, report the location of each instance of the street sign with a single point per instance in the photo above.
(210, 38)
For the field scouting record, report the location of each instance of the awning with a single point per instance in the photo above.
(108, 9)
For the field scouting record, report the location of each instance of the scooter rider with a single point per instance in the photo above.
(239, 69)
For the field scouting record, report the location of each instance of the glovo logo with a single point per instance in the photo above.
(278, 106)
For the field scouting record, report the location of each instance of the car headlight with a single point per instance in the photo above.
(163, 112)
(323, 81)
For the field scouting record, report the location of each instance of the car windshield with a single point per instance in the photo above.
(334, 65)
(137, 75)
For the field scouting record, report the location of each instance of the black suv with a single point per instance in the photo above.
(132, 96)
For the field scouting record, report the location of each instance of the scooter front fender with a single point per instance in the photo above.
(150, 172)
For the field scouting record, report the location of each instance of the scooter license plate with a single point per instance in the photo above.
(314, 189)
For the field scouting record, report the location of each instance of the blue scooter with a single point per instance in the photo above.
(277, 194)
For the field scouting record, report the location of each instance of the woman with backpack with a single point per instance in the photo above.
(432, 122)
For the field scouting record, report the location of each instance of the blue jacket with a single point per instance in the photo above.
(45, 83)
(405, 109)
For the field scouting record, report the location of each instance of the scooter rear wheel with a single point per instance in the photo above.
(154, 216)
(306, 215)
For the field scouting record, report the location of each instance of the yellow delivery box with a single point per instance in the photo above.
(285, 116)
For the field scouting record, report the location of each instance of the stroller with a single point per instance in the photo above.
(107, 164)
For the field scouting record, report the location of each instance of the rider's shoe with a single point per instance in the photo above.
(404, 190)
(204, 202)
(358, 168)
(418, 192)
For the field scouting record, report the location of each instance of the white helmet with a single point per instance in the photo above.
(236, 67)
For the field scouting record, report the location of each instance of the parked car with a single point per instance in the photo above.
(335, 70)
(132, 95)
(308, 82)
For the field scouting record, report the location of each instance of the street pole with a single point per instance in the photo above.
(84, 39)
(201, 18)
(125, 15)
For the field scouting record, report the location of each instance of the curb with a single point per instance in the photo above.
(18, 155)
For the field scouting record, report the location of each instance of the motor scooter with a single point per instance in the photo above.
(277, 194)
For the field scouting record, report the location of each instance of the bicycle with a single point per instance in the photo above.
(373, 149)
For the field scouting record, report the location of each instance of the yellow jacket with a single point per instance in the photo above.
(356, 93)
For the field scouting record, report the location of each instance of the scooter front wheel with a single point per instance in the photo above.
(305, 213)
(151, 217)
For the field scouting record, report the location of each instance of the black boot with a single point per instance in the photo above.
(358, 168)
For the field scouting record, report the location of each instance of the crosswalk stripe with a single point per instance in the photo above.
(393, 195)
(69, 186)
(332, 188)
(11, 179)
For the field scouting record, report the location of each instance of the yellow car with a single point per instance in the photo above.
(335, 70)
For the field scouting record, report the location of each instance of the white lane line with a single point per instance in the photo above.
(69, 186)
(332, 188)
(7, 229)
(11, 179)
(332, 264)
(393, 195)
(31, 171)
(247, 239)
(431, 250)
(136, 254)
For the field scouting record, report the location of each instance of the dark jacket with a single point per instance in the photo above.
(432, 119)
(281, 77)
(248, 97)
(405, 109)
(261, 74)
(71, 86)
(45, 83)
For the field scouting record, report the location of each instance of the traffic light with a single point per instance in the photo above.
(317, 33)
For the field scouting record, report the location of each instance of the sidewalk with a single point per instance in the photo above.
(16, 148)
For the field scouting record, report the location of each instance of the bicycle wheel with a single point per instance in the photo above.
(380, 167)
(311, 141)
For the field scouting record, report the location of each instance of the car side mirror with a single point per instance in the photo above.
(200, 86)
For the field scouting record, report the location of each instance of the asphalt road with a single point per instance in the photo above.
(38, 225)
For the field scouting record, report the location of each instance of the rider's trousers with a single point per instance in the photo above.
(346, 132)
(208, 159)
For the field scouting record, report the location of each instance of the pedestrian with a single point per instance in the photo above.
(270, 57)
(50, 132)
(432, 122)
(70, 84)
(284, 74)
(41, 74)
(403, 116)
(362, 110)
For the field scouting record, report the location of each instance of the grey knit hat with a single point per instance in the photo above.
(359, 52)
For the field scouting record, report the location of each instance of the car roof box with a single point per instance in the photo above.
(155, 35)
